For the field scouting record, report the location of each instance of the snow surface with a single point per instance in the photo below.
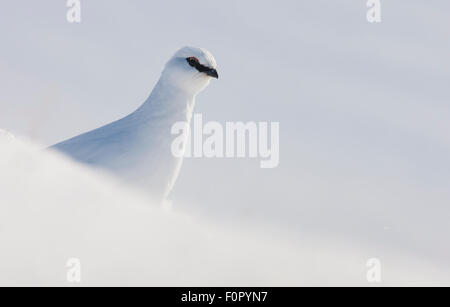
(52, 209)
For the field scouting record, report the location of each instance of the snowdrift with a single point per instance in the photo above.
(52, 210)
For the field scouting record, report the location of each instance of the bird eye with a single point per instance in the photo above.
(192, 60)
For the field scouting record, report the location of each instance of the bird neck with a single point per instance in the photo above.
(168, 102)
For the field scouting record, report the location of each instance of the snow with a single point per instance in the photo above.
(52, 210)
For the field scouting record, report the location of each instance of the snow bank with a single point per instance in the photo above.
(52, 210)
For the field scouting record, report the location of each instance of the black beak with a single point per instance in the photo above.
(212, 73)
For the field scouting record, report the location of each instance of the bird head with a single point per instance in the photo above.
(191, 69)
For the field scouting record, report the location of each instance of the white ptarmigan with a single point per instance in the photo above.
(138, 147)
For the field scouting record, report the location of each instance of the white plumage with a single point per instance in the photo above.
(138, 147)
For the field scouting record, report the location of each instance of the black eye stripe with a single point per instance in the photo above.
(195, 63)
(192, 61)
